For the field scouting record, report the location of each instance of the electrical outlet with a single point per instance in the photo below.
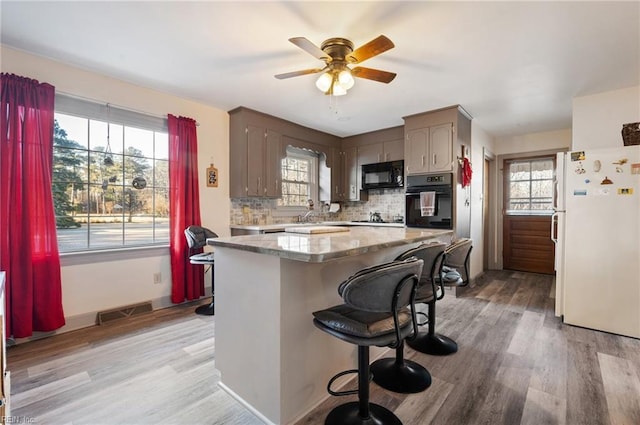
(157, 278)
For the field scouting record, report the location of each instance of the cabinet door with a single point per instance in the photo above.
(255, 160)
(393, 150)
(416, 151)
(273, 165)
(337, 171)
(370, 154)
(440, 144)
(351, 177)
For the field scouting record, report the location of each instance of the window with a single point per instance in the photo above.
(110, 177)
(299, 178)
(530, 186)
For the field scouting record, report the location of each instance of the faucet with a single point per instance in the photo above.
(309, 214)
(375, 217)
(307, 217)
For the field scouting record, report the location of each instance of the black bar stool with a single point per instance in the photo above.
(378, 311)
(444, 274)
(196, 240)
(455, 269)
(396, 373)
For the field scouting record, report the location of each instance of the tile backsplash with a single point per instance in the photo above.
(389, 203)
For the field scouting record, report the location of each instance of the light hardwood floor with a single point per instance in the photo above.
(517, 364)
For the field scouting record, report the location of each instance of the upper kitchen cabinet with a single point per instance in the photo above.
(352, 178)
(257, 144)
(429, 149)
(377, 146)
(392, 150)
(273, 164)
(433, 137)
(256, 168)
(336, 181)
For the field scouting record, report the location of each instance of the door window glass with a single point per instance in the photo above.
(530, 186)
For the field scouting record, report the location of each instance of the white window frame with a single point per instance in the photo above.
(313, 157)
(530, 180)
(82, 108)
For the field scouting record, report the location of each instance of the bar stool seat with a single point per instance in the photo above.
(378, 311)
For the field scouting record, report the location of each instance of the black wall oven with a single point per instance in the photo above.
(441, 185)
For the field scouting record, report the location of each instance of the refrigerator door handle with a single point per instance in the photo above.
(554, 223)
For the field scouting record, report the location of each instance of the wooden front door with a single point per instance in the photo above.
(528, 189)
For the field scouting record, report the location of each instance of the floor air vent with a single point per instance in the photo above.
(123, 312)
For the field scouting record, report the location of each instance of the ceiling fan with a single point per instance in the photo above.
(338, 54)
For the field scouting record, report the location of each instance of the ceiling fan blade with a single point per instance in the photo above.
(298, 73)
(371, 49)
(310, 48)
(373, 74)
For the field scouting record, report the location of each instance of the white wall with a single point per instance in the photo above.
(102, 284)
(481, 142)
(531, 142)
(598, 118)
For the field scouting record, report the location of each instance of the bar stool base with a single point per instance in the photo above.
(436, 344)
(206, 309)
(349, 414)
(407, 377)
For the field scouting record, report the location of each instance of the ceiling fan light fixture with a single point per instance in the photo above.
(338, 90)
(323, 83)
(336, 77)
(345, 79)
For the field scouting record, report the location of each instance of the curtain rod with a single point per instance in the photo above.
(126, 108)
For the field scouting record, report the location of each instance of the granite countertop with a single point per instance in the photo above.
(328, 246)
(282, 226)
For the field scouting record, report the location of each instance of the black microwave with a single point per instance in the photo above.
(383, 175)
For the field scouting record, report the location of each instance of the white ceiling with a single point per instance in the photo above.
(514, 66)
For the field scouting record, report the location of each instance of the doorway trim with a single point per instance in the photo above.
(499, 176)
(489, 210)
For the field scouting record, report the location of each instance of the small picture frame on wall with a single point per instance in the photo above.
(212, 176)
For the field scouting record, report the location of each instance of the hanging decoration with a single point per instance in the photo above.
(108, 159)
(466, 172)
(139, 183)
(465, 168)
(212, 176)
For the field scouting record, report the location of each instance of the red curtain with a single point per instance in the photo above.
(28, 243)
(184, 203)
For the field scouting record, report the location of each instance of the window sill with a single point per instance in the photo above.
(531, 213)
(118, 254)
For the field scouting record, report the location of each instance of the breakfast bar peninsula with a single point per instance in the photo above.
(269, 354)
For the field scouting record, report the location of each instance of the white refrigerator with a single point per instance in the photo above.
(596, 228)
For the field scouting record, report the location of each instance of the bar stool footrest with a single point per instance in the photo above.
(339, 375)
